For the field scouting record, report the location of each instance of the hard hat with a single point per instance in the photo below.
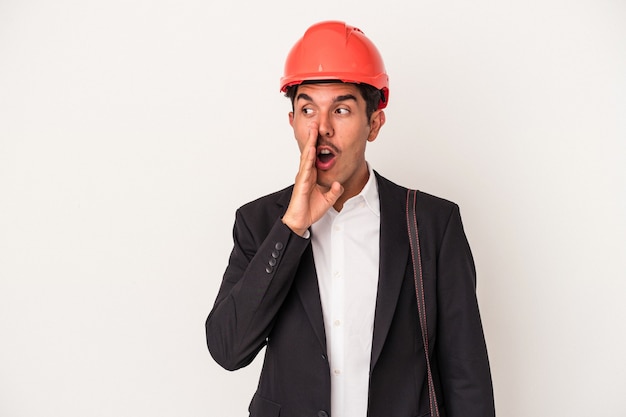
(333, 50)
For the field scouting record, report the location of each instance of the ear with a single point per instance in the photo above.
(377, 120)
(291, 118)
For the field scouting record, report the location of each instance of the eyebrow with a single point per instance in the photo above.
(345, 97)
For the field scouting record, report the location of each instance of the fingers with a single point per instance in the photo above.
(307, 170)
(298, 214)
(309, 150)
(313, 134)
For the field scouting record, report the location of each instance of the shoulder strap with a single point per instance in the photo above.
(411, 221)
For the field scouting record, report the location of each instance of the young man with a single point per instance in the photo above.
(321, 275)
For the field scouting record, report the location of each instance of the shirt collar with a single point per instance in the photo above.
(369, 194)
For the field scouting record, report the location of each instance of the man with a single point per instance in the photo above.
(321, 274)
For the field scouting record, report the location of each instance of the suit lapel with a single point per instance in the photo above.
(306, 284)
(308, 289)
(394, 251)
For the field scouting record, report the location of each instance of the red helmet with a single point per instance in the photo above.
(336, 51)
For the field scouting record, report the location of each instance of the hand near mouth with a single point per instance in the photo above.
(309, 200)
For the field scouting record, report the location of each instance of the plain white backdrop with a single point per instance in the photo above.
(131, 130)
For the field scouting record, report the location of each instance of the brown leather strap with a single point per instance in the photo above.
(411, 221)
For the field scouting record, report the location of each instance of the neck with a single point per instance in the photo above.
(350, 190)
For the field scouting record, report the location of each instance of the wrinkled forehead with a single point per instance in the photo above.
(328, 91)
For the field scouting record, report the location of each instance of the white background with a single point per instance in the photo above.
(131, 130)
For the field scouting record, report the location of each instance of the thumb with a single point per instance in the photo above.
(333, 194)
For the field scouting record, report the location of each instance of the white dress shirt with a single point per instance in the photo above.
(346, 253)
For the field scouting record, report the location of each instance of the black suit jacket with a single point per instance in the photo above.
(270, 297)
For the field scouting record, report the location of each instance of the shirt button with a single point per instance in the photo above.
(336, 228)
(337, 323)
(337, 372)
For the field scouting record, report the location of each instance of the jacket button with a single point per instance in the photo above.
(275, 254)
(278, 246)
(272, 262)
(269, 269)
(322, 413)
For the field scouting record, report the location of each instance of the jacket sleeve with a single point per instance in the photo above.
(258, 277)
(461, 350)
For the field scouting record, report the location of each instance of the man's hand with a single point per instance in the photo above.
(309, 200)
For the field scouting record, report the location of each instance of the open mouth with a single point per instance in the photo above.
(325, 155)
(325, 158)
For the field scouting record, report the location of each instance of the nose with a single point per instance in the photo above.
(325, 126)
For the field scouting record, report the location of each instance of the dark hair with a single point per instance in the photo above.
(370, 94)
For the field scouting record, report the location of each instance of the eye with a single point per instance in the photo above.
(342, 110)
(307, 110)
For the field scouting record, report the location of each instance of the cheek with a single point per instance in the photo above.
(300, 144)
(301, 137)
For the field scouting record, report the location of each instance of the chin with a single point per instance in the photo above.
(325, 182)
